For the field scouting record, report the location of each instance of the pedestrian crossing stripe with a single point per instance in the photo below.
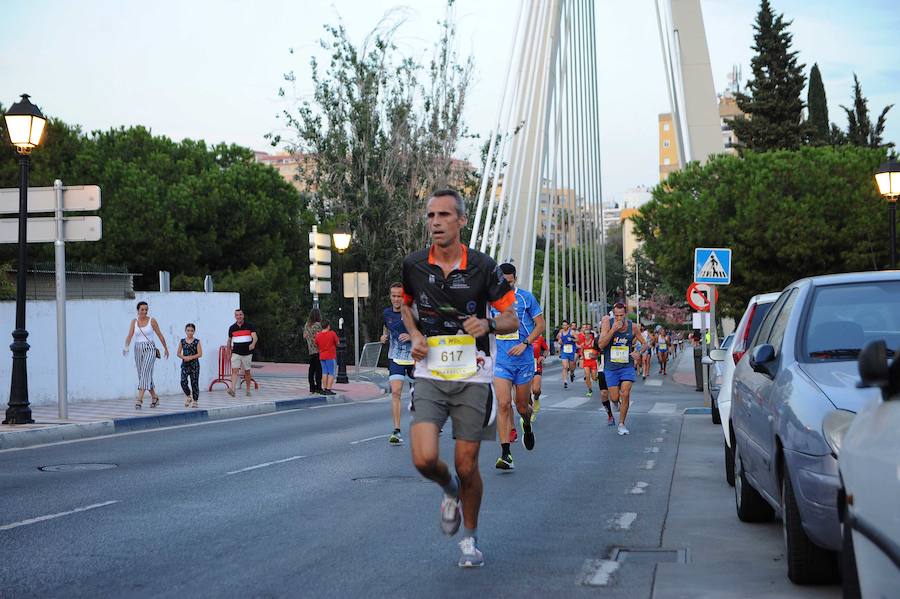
(712, 265)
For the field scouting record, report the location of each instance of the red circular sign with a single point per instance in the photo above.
(698, 296)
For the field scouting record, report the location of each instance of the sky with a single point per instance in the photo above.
(211, 69)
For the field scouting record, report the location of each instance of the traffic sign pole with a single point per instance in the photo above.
(60, 250)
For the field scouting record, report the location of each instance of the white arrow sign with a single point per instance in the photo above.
(322, 240)
(43, 230)
(43, 199)
(320, 287)
(317, 255)
(319, 271)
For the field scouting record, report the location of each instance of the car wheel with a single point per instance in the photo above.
(807, 562)
(751, 507)
(716, 416)
(729, 463)
(849, 574)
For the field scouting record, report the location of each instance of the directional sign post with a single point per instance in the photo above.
(319, 259)
(713, 267)
(56, 229)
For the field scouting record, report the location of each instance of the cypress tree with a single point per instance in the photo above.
(860, 129)
(774, 105)
(819, 129)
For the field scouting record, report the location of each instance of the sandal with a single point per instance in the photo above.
(155, 402)
(187, 402)
(194, 404)
(138, 404)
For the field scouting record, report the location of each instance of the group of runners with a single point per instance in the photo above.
(470, 344)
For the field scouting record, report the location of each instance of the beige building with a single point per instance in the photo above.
(292, 168)
(668, 148)
(728, 112)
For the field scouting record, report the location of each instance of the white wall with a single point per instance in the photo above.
(96, 331)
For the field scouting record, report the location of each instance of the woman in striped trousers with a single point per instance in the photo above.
(145, 332)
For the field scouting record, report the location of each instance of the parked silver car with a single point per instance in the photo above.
(801, 369)
(868, 450)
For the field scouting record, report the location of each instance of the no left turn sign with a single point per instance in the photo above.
(698, 296)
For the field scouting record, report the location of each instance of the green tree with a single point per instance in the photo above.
(785, 214)
(774, 106)
(381, 136)
(188, 208)
(818, 109)
(860, 129)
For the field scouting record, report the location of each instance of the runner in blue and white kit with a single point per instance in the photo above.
(617, 334)
(514, 369)
(566, 339)
(400, 362)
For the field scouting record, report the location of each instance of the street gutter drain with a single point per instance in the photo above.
(389, 479)
(76, 467)
(649, 556)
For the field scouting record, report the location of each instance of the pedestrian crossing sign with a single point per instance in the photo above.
(712, 266)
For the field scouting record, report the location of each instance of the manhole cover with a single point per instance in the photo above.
(389, 479)
(76, 467)
(650, 556)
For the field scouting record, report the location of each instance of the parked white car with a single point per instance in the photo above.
(757, 308)
(868, 450)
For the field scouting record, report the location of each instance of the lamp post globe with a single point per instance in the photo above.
(887, 177)
(341, 238)
(25, 126)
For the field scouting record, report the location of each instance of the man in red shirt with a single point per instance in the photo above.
(327, 342)
(541, 351)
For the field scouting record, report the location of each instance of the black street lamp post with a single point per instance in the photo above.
(25, 125)
(888, 179)
(341, 242)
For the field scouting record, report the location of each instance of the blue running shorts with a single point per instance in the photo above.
(519, 374)
(617, 376)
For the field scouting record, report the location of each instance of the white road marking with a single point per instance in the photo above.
(191, 425)
(572, 402)
(663, 431)
(623, 521)
(369, 439)
(658, 440)
(597, 572)
(653, 449)
(653, 383)
(662, 408)
(639, 488)
(53, 516)
(266, 464)
(648, 465)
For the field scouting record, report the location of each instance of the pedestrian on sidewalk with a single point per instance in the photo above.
(327, 342)
(145, 332)
(312, 328)
(190, 350)
(242, 340)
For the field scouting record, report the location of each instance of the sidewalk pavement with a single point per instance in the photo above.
(727, 558)
(281, 387)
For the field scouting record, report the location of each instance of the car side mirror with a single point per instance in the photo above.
(718, 355)
(875, 371)
(760, 358)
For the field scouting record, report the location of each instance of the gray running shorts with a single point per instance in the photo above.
(468, 405)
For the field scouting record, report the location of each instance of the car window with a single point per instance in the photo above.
(779, 325)
(845, 318)
(758, 316)
(768, 322)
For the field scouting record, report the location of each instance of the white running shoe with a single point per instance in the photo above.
(623, 430)
(471, 556)
(451, 515)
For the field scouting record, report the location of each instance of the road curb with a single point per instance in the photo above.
(70, 432)
(690, 411)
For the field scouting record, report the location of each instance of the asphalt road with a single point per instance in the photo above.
(315, 503)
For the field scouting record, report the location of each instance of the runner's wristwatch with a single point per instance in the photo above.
(492, 325)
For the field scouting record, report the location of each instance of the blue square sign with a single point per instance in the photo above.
(712, 266)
